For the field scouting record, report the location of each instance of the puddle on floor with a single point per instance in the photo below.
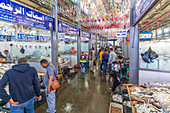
(68, 108)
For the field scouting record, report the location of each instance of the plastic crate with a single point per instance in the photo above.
(127, 109)
(117, 97)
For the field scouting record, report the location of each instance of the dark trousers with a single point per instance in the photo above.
(101, 66)
(115, 83)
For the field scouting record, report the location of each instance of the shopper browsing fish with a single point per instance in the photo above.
(23, 85)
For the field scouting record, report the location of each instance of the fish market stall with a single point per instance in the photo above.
(148, 99)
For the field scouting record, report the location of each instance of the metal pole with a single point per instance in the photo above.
(134, 51)
(54, 36)
(79, 35)
(96, 45)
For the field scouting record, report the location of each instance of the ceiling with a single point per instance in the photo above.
(90, 10)
(162, 9)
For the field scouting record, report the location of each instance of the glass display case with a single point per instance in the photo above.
(161, 47)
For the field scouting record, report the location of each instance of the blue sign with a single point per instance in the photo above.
(112, 39)
(145, 35)
(85, 34)
(66, 40)
(5, 37)
(27, 37)
(61, 37)
(121, 33)
(45, 38)
(66, 28)
(16, 13)
(140, 8)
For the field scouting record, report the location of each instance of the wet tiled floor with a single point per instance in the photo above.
(87, 94)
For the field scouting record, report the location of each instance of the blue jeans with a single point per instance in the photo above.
(105, 67)
(83, 70)
(29, 106)
(51, 101)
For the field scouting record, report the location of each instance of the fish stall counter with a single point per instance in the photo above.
(36, 63)
(152, 98)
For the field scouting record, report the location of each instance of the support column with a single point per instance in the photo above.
(96, 45)
(54, 36)
(134, 52)
(79, 35)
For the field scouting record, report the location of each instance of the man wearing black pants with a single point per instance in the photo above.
(115, 72)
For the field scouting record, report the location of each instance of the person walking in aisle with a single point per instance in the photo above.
(115, 72)
(83, 63)
(112, 58)
(47, 82)
(91, 59)
(101, 63)
(105, 57)
(23, 84)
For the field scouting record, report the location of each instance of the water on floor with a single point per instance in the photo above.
(87, 94)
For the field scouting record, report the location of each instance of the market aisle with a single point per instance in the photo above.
(87, 94)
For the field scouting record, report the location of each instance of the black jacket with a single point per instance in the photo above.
(23, 83)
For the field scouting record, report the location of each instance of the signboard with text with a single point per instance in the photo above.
(66, 28)
(19, 14)
(121, 33)
(27, 37)
(85, 34)
(140, 7)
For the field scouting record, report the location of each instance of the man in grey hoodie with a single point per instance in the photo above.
(112, 57)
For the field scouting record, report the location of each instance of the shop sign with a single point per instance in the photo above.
(145, 35)
(112, 39)
(140, 7)
(45, 38)
(121, 33)
(66, 28)
(85, 34)
(5, 37)
(119, 39)
(27, 37)
(66, 40)
(16, 13)
(61, 37)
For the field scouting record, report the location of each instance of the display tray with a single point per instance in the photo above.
(142, 100)
(116, 108)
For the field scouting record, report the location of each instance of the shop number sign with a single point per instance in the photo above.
(16, 13)
(121, 33)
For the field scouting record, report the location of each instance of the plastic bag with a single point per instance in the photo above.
(22, 50)
(149, 55)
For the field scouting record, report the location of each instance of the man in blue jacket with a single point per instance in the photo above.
(23, 84)
(105, 58)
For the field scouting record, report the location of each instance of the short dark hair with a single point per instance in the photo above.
(120, 57)
(6, 51)
(44, 61)
(22, 60)
(105, 50)
(111, 49)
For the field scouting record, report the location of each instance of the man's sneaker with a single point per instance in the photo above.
(48, 111)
